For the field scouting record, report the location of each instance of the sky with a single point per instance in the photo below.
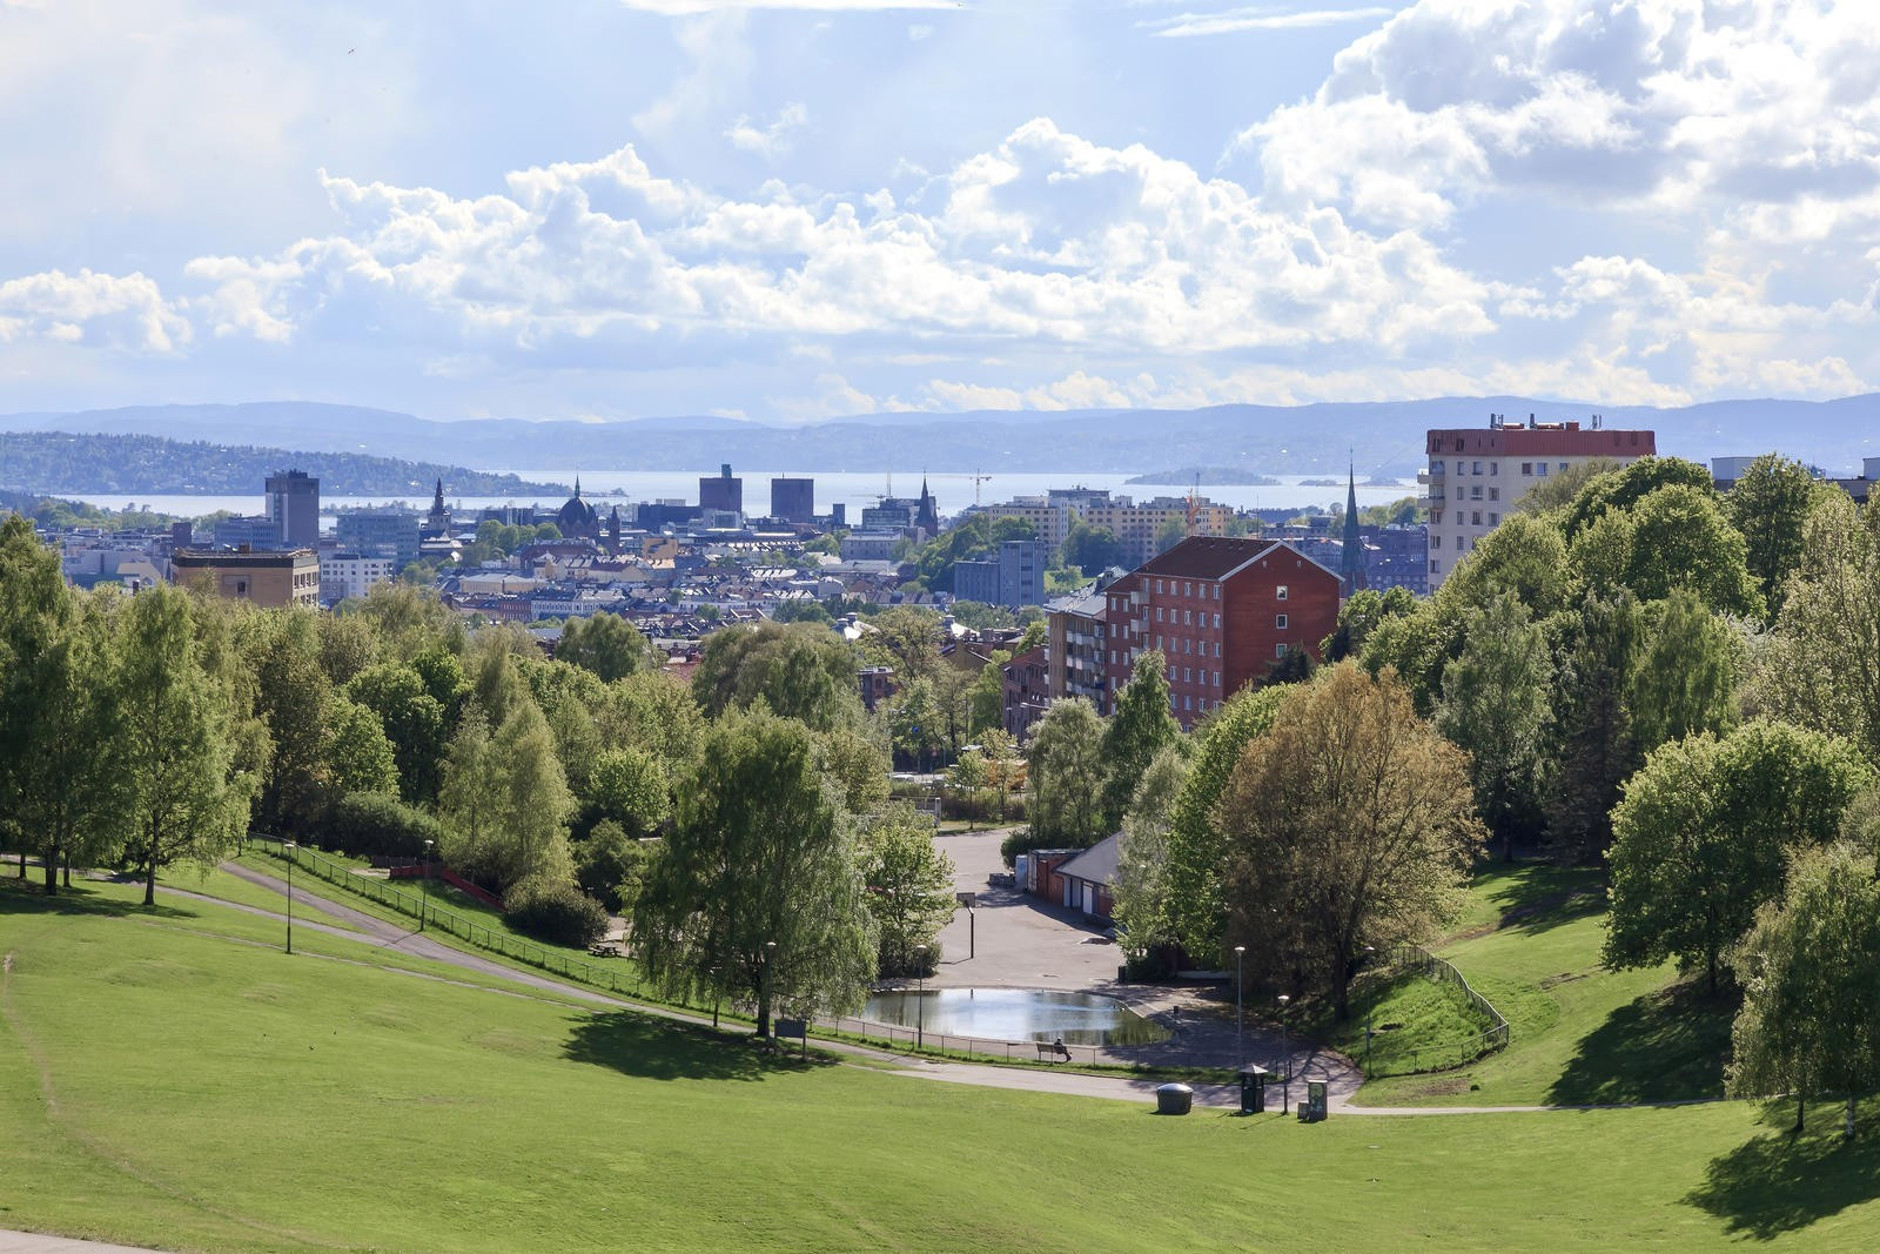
(795, 210)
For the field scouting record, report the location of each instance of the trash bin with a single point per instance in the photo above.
(1253, 1090)
(1315, 1107)
(1174, 1099)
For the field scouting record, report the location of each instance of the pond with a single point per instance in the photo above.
(1016, 1014)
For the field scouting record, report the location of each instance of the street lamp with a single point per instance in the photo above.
(770, 960)
(290, 847)
(1285, 1045)
(1240, 1040)
(424, 884)
(920, 998)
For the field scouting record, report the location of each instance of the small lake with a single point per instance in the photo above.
(1015, 1014)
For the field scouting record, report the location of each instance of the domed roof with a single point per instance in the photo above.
(576, 514)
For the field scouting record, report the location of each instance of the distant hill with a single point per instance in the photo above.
(1385, 438)
(58, 461)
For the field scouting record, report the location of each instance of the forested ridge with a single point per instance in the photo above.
(57, 461)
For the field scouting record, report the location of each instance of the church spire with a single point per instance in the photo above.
(1351, 570)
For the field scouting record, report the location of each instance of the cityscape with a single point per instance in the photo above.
(907, 625)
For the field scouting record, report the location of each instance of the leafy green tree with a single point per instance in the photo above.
(189, 802)
(294, 698)
(1141, 728)
(973, 537)
(606, 644)
(1810, 1021)
(654, 710)
(409, 620)
(1142, 873)
(856, 765)
(1092, 549)
(360, 758)
(1556, 492)
(1681, 539)
(1067, 777)
(1351, 823)
(1003, 765)
(505, 803)
(1197, 846)
(628, 789)
(1625, 487)
(610, 865)
(1820, 668)
(1497, 698)
(348, 645)
(1359, 616)
(1686, 677)
(59, 786)
(910, 889)
(1596, 748)
(1703, 832)
(757, 894)
(916, 722)
(985, 695)
(906, 638)
(411, 720)
(800, 671)
(1770, 505)
(1525, 556)
(1169, 533)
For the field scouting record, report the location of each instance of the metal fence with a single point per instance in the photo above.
(616, 975)
(967, 1046)
(1443, 1055)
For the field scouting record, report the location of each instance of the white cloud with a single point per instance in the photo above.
(773, 140)
(124, 312)
(686, 8)
(1235, 21)
(919, 31)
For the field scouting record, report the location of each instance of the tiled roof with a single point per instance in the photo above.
(1205, 557)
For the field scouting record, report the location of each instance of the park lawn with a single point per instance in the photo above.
(162, 1086)
(1581, 1034)
(1419, 1023)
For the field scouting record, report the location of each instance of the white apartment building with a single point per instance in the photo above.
(1477, 476)
(347, 575)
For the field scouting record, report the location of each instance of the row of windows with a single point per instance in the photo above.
(1538, 470)
(1186, 588)
(1188, 617)
(1472, 493)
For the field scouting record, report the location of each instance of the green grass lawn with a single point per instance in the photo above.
(1417, 1024)
(1530, 943)
(162, 1083)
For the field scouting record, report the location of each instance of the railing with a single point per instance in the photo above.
(617, 976)
(970, 1046)
(1444, 1055)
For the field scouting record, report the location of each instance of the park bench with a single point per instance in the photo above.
(1054, 1051)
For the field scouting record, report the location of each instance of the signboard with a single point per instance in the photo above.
(1315, 1101)
(792, 1027)
(966, 899)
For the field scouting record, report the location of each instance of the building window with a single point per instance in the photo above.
(1188, 589)
(1188, 675)
(1540, 469)
(1158, 585)
(1475, 518)
(1475, 491)
(1494, 468)
(1279, 622)
(1459, 542)
(1217, 648)
(1158, 613)
(1436, 467)
(1494, 494)
(1279, 651)
(1436, 567)
(1494, 520)
(1477, 468)
(1217, 622)
(1188, 618)
(1280, 592)
(1527, 468)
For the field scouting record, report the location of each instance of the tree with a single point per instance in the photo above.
(969, 776)
(1596, 749)
(916, 722)
(910, 889)
(1556, 492)
(360, 757)
(800, 671)
(1703, 832)
(411, 720)
(189, 802)
(756, 895)
(1197, 846)
(610, 866)
(1003, 765)
(1169, 533)
(1681, 539)
(1810, 971)
(1359, 616)
(907, 639)
(606, 644)
(1142, 878)
(1686, 677)
(1625, 487)
(1067, 776)
(1092, 549)
(1496, 701)
(1770, 505)
(294, 699)
(985, 695)
(628, 788)
(1351, 823)
(1141, 728)
(856, 765)
(59, 786)
(505, 802)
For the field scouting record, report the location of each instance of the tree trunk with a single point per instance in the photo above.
(1710, 973)
(1847, 1128)
(1341, 993)
(22, 861)
(1507, 846)
(763, 1012)
(150, 883)
(65, 866)
(1801, 1111)
(52, 873)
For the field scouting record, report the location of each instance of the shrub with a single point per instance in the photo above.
(560, 914)
(609, 865)
(375, 824)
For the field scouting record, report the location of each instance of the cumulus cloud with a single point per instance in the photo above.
(685, 8)
(125, 312)
(771, 140)
(1235, 21)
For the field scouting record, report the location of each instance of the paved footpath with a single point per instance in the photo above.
(35, 1243)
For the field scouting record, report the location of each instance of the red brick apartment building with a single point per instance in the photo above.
(1223, 610)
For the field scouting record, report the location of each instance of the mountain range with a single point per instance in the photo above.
(1384, 439)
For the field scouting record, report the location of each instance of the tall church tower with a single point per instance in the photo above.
(437, 522)
(1351, 571)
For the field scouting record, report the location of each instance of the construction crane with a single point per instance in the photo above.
(978, 477)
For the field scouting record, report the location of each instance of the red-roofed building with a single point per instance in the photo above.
(1223, 610)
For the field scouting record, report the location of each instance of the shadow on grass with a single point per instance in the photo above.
(1781, 1182)
(1666, 1046)
(657, 1049)
(29, 897)
(1539, 896)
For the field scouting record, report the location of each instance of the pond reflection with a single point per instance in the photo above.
(1016, 1014)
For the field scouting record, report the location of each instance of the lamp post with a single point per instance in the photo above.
(424, 884)
(1240, 1039)
(920, 998)
(1285, 1046)
(770, 960)
(290, 847)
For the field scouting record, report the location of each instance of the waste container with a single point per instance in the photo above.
(1174, 1099)
(1315, 1107)
(1253, 1090)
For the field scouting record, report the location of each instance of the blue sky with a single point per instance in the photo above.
(795, 211)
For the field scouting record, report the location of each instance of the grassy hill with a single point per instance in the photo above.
(171, 1077)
